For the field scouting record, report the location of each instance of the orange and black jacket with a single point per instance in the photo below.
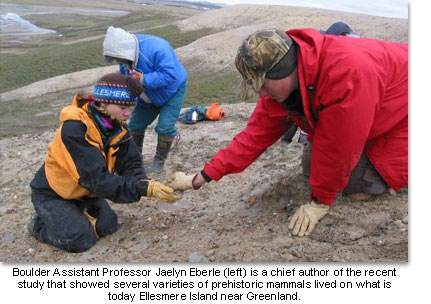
(79, 163)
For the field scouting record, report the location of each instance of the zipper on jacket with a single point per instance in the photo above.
(313, 112)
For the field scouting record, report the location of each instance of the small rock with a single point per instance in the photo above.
(196, 257)
(252, 200)
(355, 235)
(296, 253)
(399, 223)
(41, 259)
(165, 237)
(10, 238)
(126, 244)
(277, 228)
(328, 222)
(406, 220)
(31, 250)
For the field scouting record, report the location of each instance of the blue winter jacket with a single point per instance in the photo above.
(163, 72)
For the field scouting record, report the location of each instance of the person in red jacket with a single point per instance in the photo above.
(351, 97)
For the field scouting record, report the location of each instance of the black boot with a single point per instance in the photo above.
(164, 144)
(138, 137)
(34, 226)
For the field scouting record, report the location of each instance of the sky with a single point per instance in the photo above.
(385, 8)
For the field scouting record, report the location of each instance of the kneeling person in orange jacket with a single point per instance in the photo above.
(91, 158)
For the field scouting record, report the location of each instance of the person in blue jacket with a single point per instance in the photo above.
(152, 61)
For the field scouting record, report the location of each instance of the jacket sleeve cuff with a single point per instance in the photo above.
(142, 187)
(205, 176)
(325, 200)
(211, 173)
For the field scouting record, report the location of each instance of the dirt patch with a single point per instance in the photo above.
(243, 217)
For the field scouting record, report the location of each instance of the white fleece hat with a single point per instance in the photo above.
(119, 44)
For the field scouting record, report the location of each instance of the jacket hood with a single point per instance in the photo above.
(120, 44)
(310, 44)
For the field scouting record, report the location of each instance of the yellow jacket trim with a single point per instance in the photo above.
(60, 169)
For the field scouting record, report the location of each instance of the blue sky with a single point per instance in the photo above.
(386, 8)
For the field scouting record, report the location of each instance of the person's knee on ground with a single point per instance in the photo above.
(61, 223)
(82, 240)
(364, 180)
(78, 238)
(107, 219)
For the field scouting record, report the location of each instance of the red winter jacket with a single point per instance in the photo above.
(355, 97)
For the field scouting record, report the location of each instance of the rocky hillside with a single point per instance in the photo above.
(233, 23)
(243, 217)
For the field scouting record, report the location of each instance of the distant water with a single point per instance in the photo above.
(13, 24)
(13, 17)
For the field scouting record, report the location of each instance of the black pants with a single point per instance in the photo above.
(62, 224)
(363, 179)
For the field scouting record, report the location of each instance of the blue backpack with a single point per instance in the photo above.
(193, 115)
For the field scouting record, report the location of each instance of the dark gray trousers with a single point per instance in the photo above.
(364, 177)
(62, 224)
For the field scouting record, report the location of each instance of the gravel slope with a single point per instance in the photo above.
(243, 217)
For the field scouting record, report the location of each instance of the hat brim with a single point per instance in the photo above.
(250, 87)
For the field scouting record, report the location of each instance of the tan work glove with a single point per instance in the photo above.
(161, 192)
(181, 181)
(306, 217)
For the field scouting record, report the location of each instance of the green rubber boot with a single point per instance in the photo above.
(164, 144)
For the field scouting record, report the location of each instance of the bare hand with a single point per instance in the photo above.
(136, 75)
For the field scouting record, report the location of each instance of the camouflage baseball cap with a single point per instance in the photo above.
(258, 57)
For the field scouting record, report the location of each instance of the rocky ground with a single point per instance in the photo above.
(243, 217)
